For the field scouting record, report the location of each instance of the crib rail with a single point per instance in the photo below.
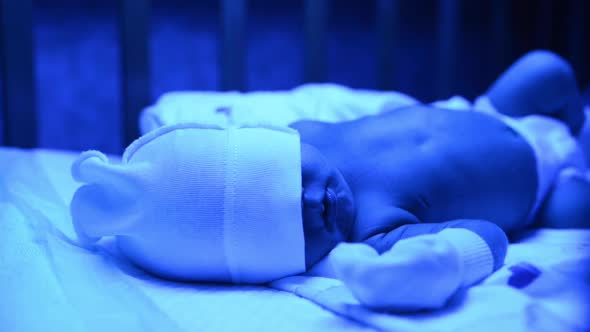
(134, 33)
(314, 48)
(386, 22)
(17, 52)
(18, 85)
(233, 45)
(448, 29)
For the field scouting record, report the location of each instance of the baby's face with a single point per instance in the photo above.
(327, 203)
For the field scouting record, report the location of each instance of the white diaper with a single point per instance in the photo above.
(558, 153)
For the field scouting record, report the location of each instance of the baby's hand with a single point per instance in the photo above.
(421, 272)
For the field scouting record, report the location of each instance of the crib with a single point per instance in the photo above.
(20, 105)
(92, 291)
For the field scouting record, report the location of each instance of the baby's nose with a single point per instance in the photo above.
(313, 198)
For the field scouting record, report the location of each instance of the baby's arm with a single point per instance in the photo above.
(419, 266)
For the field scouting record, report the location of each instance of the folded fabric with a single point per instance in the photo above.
(322, 102)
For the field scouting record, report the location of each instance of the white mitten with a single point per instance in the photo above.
(421, 272)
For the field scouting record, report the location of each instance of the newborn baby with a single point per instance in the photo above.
(405, 207)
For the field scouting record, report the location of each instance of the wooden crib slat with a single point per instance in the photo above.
(387, 18)
(315, 40)
(134, 43)
(501, 39)
(576, 41)
(20, 113)
(544, 24)
(232, 48)
(448, 29)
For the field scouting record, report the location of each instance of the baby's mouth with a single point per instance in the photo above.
(331, 211)
(318, 207)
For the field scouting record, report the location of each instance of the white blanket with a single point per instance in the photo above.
(323, 102)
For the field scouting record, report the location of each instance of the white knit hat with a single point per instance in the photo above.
(199, 203)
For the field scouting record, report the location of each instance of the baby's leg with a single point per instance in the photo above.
(540, 82)
(567, 205)
(419, 266)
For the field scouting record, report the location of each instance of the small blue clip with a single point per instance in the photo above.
(523, 274)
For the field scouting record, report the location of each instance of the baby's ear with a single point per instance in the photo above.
(108, 203)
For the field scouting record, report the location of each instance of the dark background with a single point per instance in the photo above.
(77, 55)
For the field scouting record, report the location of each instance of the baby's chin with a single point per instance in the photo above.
(340, 209)
(323, 231)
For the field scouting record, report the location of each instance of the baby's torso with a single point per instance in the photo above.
(436, 164)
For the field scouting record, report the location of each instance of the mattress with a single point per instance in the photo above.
(49, 283)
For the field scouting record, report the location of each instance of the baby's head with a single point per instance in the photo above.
(244, 205)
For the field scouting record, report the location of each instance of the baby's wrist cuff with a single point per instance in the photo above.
(474, 252)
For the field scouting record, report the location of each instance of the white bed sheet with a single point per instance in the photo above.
(49, 284)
